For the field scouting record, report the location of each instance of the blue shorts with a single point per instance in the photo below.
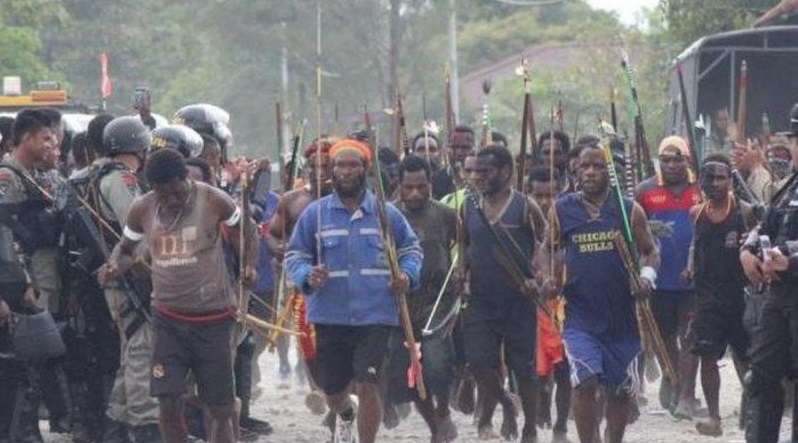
(615, 363)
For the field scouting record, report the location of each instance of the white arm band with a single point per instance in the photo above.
(649, 273)
(132, 235)
(234, 218)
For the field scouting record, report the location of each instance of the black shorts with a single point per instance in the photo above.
(673, 310)
(202, 348)
(437, 362)
(350, 353)
(486, 328)
(718, 325)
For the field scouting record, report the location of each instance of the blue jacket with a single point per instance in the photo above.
(266, 275)
(357, 291)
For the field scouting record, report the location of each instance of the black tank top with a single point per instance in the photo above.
(717, 246)
(490, 281)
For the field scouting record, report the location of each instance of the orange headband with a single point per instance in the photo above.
(352, 147)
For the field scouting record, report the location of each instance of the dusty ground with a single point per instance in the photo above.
(283, 406)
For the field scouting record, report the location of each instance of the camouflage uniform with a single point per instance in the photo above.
(19, 394)
(130, 402)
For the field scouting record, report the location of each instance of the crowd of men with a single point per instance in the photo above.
(143, 271)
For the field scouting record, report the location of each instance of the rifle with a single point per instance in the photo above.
(688, 121)
(643, 154)
(93, 229)
(389, 245)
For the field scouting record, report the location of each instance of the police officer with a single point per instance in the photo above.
(773, 259)
(212, 123)
(182, 138)
(26, 227)
(126, 141)
(91, 335)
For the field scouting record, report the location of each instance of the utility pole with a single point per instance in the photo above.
(453, 59)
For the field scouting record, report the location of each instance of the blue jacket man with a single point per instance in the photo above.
(337, 258)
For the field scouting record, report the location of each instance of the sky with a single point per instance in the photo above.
(626, 9)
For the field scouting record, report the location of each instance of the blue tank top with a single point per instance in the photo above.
(597, 294)
(490, 282)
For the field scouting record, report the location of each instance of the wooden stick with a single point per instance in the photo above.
(252, 321)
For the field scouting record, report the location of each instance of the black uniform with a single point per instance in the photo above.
(774, 352)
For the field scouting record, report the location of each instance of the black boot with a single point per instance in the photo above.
(146, 434)
(765, 408)
(82, 425)
(115, 432)
(25, 419)
(55, 393)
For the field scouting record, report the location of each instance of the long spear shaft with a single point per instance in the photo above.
(319, 257)
(636, 112)
(688, 121)
(742, 103)
(519, 185)
(393, 263)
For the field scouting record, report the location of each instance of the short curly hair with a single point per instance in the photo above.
(164, 166)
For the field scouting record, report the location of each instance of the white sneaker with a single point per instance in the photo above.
(346, 430)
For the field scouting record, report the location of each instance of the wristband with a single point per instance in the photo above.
(649, 273)
(132, 235)
(234, 218)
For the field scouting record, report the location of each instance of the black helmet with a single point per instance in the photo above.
(126, 135)
(208, 120)
(182, 138)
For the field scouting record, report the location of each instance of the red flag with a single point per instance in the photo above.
(106, 85)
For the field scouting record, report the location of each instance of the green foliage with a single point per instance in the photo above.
(20, 45)
(686, 22)
(228, 53)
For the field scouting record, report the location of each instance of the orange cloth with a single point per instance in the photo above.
(351, 146)
(550, 347)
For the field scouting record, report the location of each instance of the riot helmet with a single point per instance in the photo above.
(209, 120)
(182, 138)
(126, 135)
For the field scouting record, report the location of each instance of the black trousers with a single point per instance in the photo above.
(774, 356)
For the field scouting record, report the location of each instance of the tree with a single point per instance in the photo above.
(686, 23)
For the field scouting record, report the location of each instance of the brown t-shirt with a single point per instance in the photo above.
(435, 226)
(188, 267)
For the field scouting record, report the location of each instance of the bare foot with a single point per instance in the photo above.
(390, 417)
(683, 411)
(709, 427)
(530, 436)
(315, 401)
(560, 437)
(486, 433)
(447, 429)
(465, 396)
(509, 429)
